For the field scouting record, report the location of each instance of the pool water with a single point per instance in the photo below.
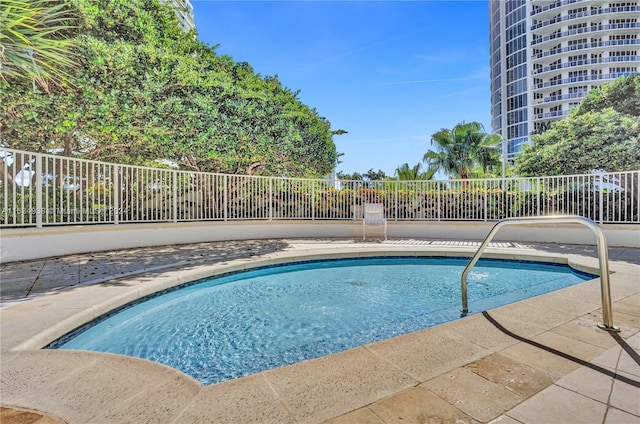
(244, 323)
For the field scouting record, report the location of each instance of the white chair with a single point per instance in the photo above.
(373, 217)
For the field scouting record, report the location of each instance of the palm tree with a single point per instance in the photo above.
(35, 42)
(462, 148)
(415, 173)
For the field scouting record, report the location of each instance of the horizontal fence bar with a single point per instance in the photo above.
(39, 190)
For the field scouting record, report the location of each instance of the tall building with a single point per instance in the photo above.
(184, 12)
(546, 55)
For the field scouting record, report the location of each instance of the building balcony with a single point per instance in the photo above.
(555, 114)
(585, 63)
(540, 11)
(622, 10)
(587, 30)
(556, 99)
(593, 45)
(575, 80)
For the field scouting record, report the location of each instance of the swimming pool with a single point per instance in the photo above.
(244, 323)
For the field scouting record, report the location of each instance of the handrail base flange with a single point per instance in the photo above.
(612, 329)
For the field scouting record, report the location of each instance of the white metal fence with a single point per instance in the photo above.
(42, 190)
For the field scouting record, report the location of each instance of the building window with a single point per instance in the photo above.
(517, 116)
(577, 10)
(577, 26)
(514, 4)
(623, 53)
(578, 90)
(517, 102)
(577, 58)
(623, 21)
(623, 37)
(519, 130)
(517, 44)
(578, 73)
(623, 70)
(517, 73)
(576, 42)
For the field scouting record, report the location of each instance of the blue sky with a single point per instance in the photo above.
(391, 73)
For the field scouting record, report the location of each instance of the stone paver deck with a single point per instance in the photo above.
(541, 360)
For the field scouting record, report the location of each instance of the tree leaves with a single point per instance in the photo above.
(461, 149)
(602, 133)
(36, 42)
(145, 90)
(623, 95)
(406, 173)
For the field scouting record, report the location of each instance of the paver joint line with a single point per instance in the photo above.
(403, 371)
(582, 362)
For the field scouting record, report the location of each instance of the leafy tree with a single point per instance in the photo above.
(461, 149)
(406, 173)
(370, 175)
(581, 143)
(603, 132)
(356, 176)
(145, 90)
(36, 41)
(622, 94)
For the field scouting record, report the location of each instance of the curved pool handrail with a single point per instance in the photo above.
(603, 258)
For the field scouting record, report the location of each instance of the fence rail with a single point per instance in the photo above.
(39, 190)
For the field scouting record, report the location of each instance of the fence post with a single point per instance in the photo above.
(439, 202)
(313, 200)
(116, 194)
(486, 212)
(601, 198)
(270, 197)
(538, 193)
(396, 201)
(175, 196)
(39, 211)
(225, 197)
(637, 205)
(354, 201)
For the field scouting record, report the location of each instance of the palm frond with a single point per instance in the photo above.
(463, 147)
(34, 41)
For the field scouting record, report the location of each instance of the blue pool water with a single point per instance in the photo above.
(240, 324)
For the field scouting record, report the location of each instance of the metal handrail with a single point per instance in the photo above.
(603, 258)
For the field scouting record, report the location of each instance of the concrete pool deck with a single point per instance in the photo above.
(541, 360)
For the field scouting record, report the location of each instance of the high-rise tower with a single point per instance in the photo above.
(546, 55)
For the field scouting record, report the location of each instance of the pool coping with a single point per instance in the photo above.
(311, 391)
